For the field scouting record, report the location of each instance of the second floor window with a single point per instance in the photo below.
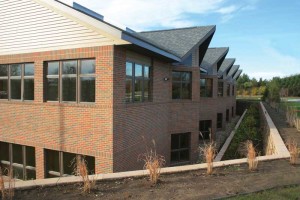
(181, 85)
(206, 87)
(220, 89)
(228, 90)
(232, 90)
(71, 81)
(138, 82)
(17, 82)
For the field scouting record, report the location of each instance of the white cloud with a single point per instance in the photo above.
(227, 10)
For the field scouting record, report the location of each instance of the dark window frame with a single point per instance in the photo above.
(232, 90)
(203, 125)
(22, 77)
(207, 89)
(227, 115)
(60, 77)
(219, 120)
(181, 149)
(181, 82)
(228, 89)
(22, 165)
(60, 173)
(143, 79)
(220, 88)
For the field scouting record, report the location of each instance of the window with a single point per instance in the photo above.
(182, 85)
(228, 90)
(20, 158)
(220, 89)
(138, 82)
(206, 87)
(60, 163)
(232, 111)
(180, 147)
(205, 129)
(71, 81)
(227, 115)
(17, 82)
(232, 90)
(219, 120)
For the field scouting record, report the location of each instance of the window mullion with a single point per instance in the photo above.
(78, 81)
(60, 82)
(133, 82)
(143, 77)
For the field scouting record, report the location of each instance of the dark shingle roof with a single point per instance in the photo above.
(237, 74)
(233, 69)
(227, 63)
(213, 55)
(178, 41)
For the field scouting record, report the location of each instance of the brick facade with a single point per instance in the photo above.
(111, 130)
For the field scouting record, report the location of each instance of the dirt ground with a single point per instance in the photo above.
(225, 182)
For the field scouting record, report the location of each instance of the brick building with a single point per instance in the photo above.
(73, 84)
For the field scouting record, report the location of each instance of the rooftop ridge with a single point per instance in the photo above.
(174, 29)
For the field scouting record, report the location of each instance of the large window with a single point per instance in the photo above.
(17, 82)
(60, 163)
(71, 81)
(228, 90)
(20, 158)
(206, 87)
(138, 82)
(220, 88)
(205, 130)
(181, 85)
(180, 147)
(219, 120)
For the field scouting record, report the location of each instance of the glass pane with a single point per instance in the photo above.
(52, 89)
(69, 162)
(29, 69)
(138, 89)
(128, 69)
(128, 90)
(176, 87)
(15, 88)
(174, 156)
(15, 70)
(184, 141)
(52, 162)
(4, 151)
(30, 156)
(87, 67)
(202, 82)
(69, 89)
(90, 162)
(53, 68)
(3, 89)
(186, 91)
(138, 70)
(184, 155)
(28, 89)
(186, 76)
(87, 92)
(17, 161)
(146, 90)
(175, 141)
(69, 67)
(176, 76)
(30, 174)
(3, 70)
(146, 72)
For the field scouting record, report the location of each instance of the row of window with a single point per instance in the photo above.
(22, 160)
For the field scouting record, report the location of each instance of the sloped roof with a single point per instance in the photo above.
(213, 55)
(237, 74)
(179, 42)
(233, 70)
(226, 65)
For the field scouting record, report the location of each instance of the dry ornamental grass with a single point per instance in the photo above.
(80, 169)
(251, 156)
(209, 151)
(294, 152)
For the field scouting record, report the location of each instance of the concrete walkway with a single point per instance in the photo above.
(280, 122)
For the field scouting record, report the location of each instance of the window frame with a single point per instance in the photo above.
(143, 79)
(219, 123)
(22, 77)
(181, 82)
(220, 89)
(228, 89)
(200, 127)
(180, 135)
(60, 77)
(208, 89)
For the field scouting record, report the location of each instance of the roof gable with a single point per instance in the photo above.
(237, 74)
(225, 67)
(213, 55)
(233, 70)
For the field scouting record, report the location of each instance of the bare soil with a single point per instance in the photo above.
(225, 182)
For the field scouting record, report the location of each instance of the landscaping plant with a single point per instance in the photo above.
(251, 156)
(209, 151)
(293, 149)
(7, 193)
(153, 162)
(2, 188)
(80, 169)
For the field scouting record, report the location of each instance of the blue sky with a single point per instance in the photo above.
(263, 35)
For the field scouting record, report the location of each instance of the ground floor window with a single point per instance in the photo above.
(227, 115)
(60, 163)
(180, 147)
(232, 111)
(20, 158)
(219, 120)
(205, 130)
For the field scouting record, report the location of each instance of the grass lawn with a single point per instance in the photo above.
(291, 192)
